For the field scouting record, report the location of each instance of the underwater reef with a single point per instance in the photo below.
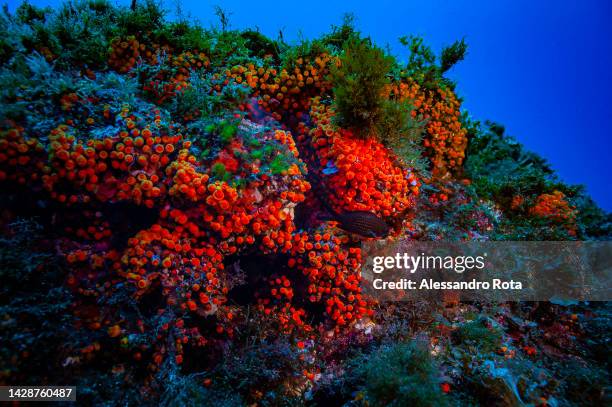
(183, 208)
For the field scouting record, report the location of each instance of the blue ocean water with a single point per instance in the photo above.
(540, 68)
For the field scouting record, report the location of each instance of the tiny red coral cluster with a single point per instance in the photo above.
(365, 177)
(555, 207)
(446, 139)
(125, 53)
(286, 92)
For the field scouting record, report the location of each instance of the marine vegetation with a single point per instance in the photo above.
(183, 208)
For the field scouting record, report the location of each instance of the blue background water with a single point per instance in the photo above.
(542, 68)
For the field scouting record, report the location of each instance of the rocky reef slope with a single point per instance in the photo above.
(174, 205)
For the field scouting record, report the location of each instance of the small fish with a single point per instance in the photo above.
(362, 223)
(330, 169)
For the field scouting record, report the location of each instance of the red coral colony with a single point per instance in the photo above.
(173, 182)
